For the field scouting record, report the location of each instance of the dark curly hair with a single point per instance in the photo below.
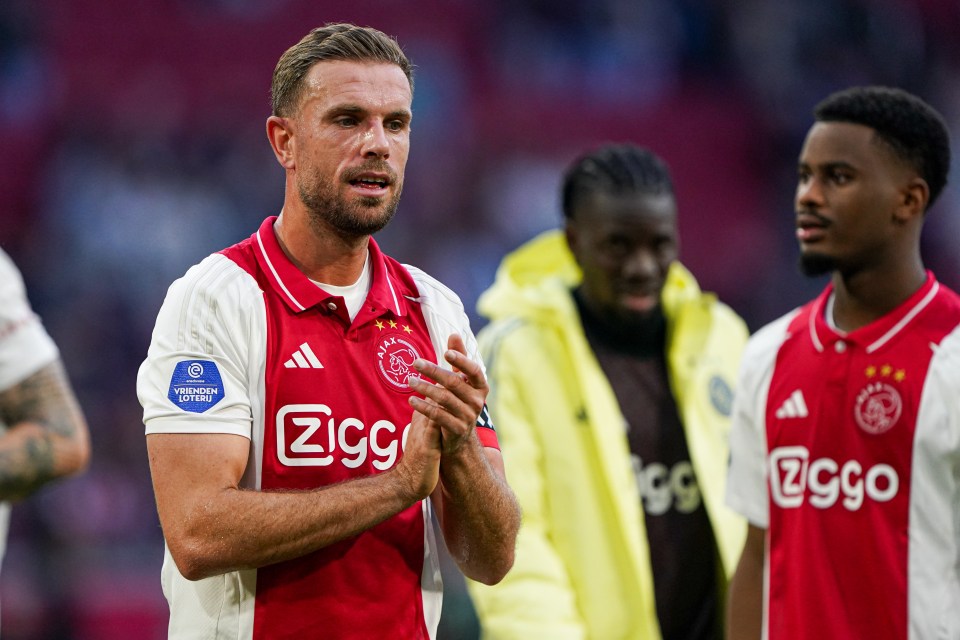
(913, 129)
(618, 169)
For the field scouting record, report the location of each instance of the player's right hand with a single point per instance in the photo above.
(419, 465)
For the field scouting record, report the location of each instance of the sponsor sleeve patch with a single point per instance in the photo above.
(195, 385)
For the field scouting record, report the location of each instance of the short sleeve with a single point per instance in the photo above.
(747, 492)
(25, 346)
(206, 358)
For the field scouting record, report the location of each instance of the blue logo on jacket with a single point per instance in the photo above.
(195, 385)
(721, 395)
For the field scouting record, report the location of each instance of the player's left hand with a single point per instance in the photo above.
(455, 399)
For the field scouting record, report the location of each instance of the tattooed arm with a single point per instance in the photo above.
(46, 436)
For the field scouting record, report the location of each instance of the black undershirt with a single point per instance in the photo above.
(683, 552)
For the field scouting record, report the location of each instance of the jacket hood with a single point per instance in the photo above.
(535, 279)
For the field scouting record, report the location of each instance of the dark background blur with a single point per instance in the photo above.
(132, 145)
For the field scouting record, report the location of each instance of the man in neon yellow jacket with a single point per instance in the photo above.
(611, 386)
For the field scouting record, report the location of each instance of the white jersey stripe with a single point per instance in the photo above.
(813, 333)
(393, 294)
(906, 319)
(431, 580)
(276, 276)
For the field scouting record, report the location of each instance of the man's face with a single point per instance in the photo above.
(351, 141)
(624, 245)
(848, 188)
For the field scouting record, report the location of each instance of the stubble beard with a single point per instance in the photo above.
(349, 220)
(816, 264)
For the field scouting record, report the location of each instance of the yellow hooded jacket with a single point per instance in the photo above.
(582, 567)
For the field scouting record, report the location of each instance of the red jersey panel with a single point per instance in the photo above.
(343, 416)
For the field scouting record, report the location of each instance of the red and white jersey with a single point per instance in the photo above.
(25, 347)
(846, 448)
(245, 344)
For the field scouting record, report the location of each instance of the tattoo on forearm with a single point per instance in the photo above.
(28, 459)
(44, 398)
(24, 470)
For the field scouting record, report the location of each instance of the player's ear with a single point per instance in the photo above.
(571, 233)
(913, 200)
(280, 135)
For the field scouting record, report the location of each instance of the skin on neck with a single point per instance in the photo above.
(322, 254)
(869, 294)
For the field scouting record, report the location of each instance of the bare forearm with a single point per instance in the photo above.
(47, 435)
(478, 512)
(744, 611)
(212, 526)
(241, 529)
(479, 516)
(26, 461)
(745, 607)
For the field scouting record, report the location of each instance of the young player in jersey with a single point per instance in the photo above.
(845, 446)
(310, 401)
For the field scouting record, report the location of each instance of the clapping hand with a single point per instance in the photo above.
(455, 398)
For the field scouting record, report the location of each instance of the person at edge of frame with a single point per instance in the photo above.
(43, 432)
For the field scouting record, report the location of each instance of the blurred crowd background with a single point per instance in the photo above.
(132, 145)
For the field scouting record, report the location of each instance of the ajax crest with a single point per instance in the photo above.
(721, 395)
(395, 356)
(878, 408)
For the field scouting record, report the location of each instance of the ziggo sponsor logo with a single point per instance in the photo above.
(302, 441)
(792, 474)
(662, 487)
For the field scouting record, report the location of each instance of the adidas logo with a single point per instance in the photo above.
(793, 407)
(303, 358)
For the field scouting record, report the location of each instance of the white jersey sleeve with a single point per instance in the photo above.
(205, 366)
(934, 594)
(25, 346)
(747, 492)
(444, 314)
